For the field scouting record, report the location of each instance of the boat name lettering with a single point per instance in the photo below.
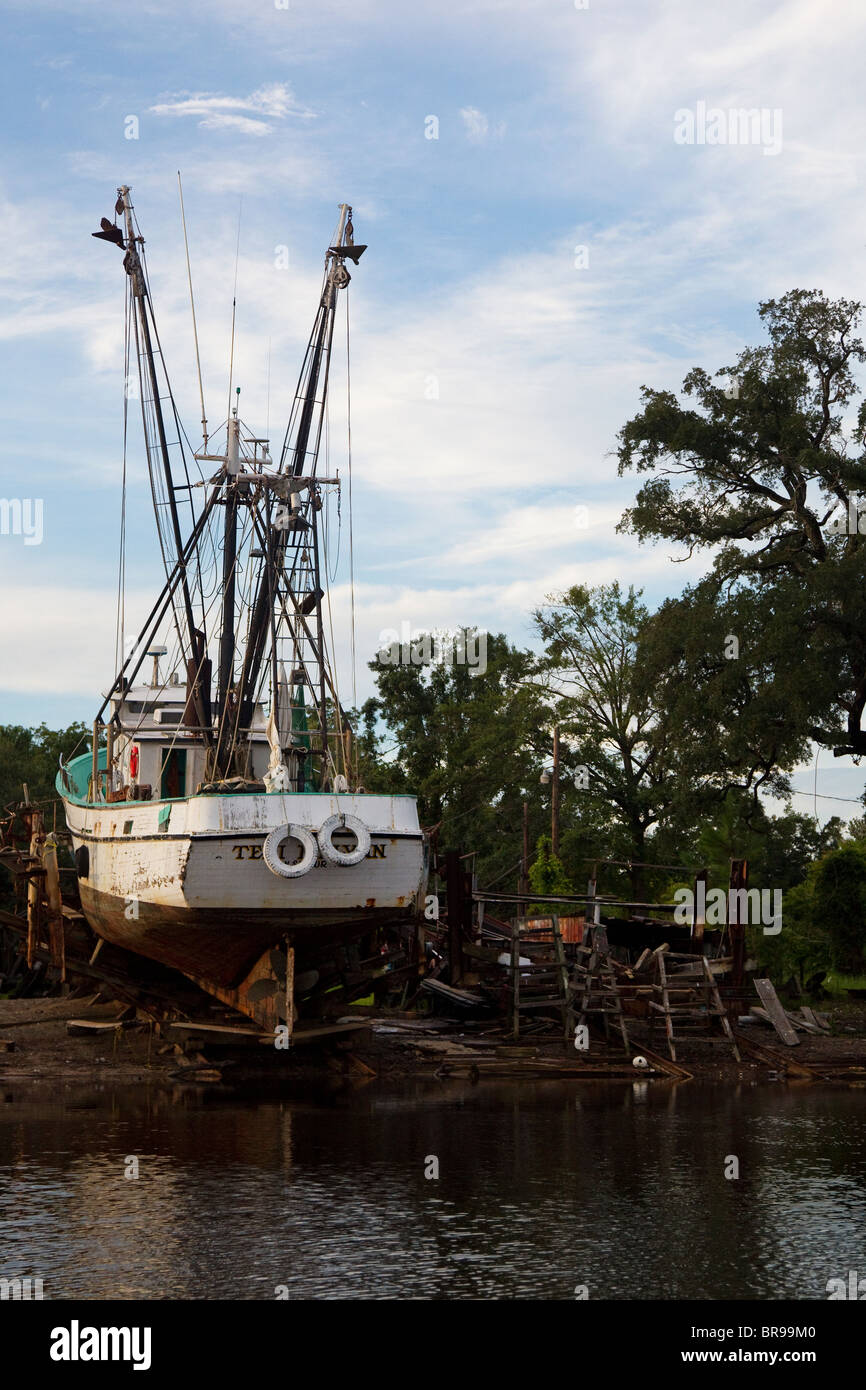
(256, 852)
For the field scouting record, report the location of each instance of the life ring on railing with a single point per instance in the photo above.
(133, 763)
(339, 857)
(271, 851)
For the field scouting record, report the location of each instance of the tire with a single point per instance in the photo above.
(336, 856)
(271, 851)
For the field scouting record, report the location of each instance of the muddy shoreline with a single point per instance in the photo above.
(37, 1046)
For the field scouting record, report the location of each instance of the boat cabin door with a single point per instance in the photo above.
(172, 781)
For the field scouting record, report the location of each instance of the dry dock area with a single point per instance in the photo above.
(72, 1040)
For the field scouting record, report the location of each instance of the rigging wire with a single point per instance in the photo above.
(166, 541)
(120, 626)
(338, 706)
(351, 529)
(192, 307)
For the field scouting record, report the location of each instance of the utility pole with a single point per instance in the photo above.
(524, 868)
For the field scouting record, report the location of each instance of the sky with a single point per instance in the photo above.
(547, 232)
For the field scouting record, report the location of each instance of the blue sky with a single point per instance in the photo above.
(492, 362)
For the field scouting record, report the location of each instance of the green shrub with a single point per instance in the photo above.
(840, 906)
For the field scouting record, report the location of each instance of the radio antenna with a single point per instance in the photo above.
(192, 307)
(234, 308)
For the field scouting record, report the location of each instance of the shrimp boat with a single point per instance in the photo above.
(218, 814)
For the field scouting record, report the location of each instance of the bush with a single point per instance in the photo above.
(840, 906)
(802, 948)
(547, 876)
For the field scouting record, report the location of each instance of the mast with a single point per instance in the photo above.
(227, 633)
(300, 516)
(198, 678)
(279, 511)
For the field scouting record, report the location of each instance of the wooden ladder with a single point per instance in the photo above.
(541, 985)
(697, 999)
(595, 982)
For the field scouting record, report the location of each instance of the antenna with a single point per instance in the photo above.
(234, 306)
(192, 307)
(268, 413)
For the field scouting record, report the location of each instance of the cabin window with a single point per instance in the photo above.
(173, 775)
(127, 827)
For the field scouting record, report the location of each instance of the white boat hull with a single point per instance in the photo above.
(185, 882)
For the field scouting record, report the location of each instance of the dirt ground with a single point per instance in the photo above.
(36, 1046)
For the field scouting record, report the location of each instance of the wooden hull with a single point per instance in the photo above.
(198, 895)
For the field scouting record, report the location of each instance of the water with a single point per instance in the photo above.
(542, 1187)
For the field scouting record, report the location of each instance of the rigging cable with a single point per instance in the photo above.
(120, 627)
(351, 534)
(192, 308)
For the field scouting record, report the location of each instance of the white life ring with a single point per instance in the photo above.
(271, 851)
(337, 856)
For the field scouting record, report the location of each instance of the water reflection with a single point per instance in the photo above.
(541, 1188)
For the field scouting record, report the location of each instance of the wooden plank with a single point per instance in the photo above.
(662, 1064)
(63, 1009)
(795, 1023)
(359, 1066)
(456, 996)
(770, 1057)
(803, 1024)
(83, 1027)
(323, 1032)
(696, 970)
(811, 1017)
(290, 992)
(778, 1017)
(230, 1030)
(489, 954)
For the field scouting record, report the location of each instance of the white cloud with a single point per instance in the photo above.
(274, 102)
(244, 124)
(477, 126)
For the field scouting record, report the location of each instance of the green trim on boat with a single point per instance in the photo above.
(77, 775)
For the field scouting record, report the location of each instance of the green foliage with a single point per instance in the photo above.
(759, 467)
(547, 877)
(856, 828)
(739, 697)
(613, 725)
(779, 849)
(802, 948)
(840, 906)
(823, 920)
(33, 756)
(467, 742)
